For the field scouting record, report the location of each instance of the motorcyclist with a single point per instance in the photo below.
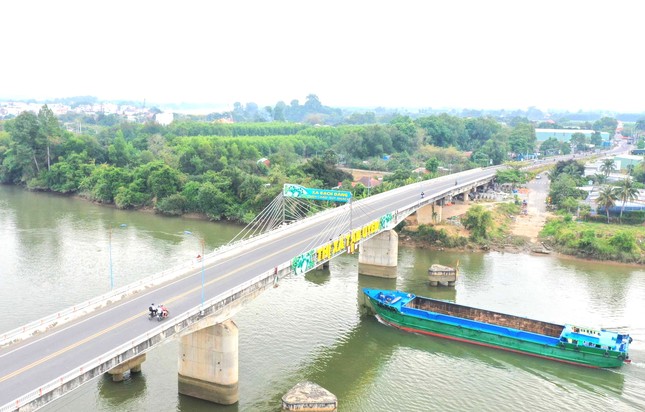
(163, 312)
(422, 194)
(152, 309)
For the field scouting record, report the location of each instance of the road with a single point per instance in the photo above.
(531, 224)
(30, 364)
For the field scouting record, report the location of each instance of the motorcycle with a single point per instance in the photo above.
(160, 313)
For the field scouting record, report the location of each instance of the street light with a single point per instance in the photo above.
(201, 241)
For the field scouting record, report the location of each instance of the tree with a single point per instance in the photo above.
(279, 111)
(49, 130)
(479, 221)
(565, 148)
(480, 130)
(164, 181)
(28, 146)
(496, 148)
(608, 166)
(121, 152)
(522, 138)
(605, 124)
(626, 192)
(330, 158)
(596, 139)
(405, 137)
(607, 199)
(570, 167)
(443, 130)
(312, 104)
(579, 140)
(550, 147)
(599, 179)
(564, 186)
(639, 126)
(432, 165)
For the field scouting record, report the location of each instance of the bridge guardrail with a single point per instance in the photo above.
(97, 362)
(169, 274)
(222, 252)
(73, 312)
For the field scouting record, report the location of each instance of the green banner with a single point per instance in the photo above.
(316, 194)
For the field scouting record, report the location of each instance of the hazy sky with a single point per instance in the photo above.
(562, 54)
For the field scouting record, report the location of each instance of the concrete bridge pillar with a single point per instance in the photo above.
(379, 255)
(429, 214)
(208, 363)
(133, 365)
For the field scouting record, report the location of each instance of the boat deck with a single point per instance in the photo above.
(578, 345)
(486, 316)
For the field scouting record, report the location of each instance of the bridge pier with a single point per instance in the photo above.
(133, 365)
(208, 363)
(429, 214)
(378, 256)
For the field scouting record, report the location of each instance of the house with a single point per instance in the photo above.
(367, 181)
(164, 119)
(624, 161)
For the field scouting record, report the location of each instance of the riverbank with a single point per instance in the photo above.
(516, 233)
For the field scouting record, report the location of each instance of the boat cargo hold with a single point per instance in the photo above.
(596, 348)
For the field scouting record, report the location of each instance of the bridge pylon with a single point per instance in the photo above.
(208, 363)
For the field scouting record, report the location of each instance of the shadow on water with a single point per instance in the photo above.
(121, 394)
(318, 277)
(188, 404)
(349, 368)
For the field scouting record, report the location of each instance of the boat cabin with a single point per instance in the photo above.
(595, 338)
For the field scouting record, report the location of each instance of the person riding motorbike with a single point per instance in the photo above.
(163, 311)
(153, 310)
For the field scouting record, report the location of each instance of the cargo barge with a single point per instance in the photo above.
(591, 347)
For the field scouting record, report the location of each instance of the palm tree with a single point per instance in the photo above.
(607, 199)
(626, 192)
(608, 166)
(599, 179)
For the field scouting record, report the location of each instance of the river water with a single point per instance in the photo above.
(54, 252)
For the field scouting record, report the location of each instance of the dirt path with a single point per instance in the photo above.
(527, 226)
(531, 224)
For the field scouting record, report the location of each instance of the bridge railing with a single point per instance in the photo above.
(134, 343)
(222, 252)
(74, 312)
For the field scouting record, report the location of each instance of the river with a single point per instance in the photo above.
(55, 252)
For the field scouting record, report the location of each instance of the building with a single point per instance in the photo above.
(625, 161)
(165, 118)
(564, 135)
(367, 181)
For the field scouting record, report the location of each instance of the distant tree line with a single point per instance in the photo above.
(218, 169)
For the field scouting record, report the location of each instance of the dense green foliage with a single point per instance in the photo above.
(479, 221)
(605, 242)
(232, 171)
(439, 237)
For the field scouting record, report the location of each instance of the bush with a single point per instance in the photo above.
(440, 237)
(623, 241)
(479, 221)
(174, 205)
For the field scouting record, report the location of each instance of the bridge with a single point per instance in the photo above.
(47, 358)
